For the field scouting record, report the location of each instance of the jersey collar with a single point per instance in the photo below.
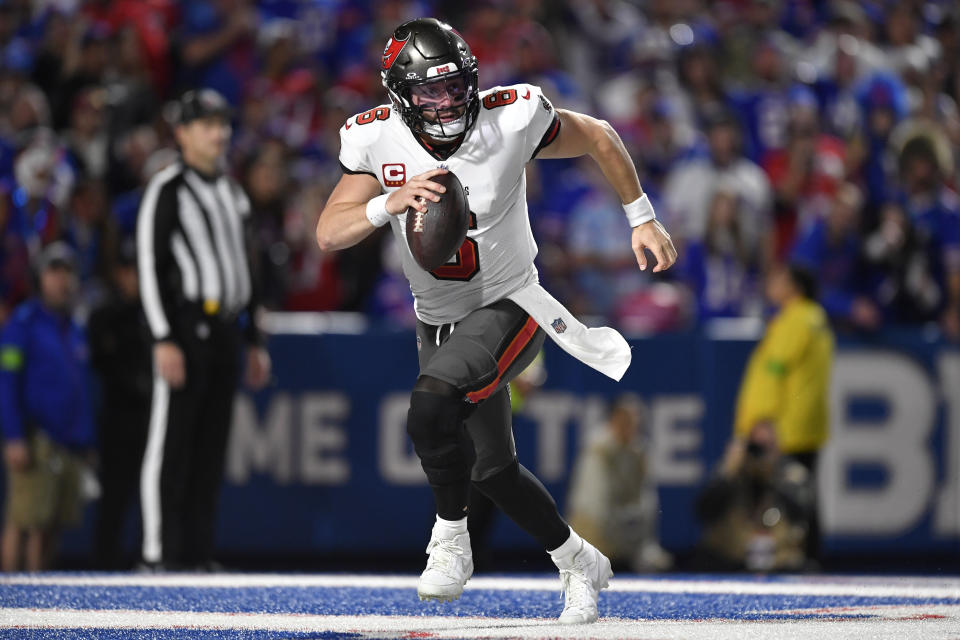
(441, 152)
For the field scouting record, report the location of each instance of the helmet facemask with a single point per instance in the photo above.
(442, 107)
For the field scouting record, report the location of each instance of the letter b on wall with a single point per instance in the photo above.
(897, 442)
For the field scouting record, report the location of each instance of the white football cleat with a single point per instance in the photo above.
(449, 567)
(583, 574)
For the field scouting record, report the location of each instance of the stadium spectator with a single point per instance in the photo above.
(14, 261)
(904, 283)
(121, 358)
(27, 115)
(285, 82)
(604, 266)
(486, 31)
(266, 180)
(837, 92)
(805, 173)
(132, 168)
(312, 278)
(43, 183)
(45, 415)
(609, 28)
(907, 48)
(216, 45)
(934, 212)
(883, 104)
(144, 32)
(391, 300)
(701, 91)
(785, 385)
(49, 51)
(87, 138)
(88, 229)
(86, 61)
(131, 96)
(843, 20)
(831, 249)
(763, 103)
(720, 269)
(691, 185)
(612, 497)
(747, 27)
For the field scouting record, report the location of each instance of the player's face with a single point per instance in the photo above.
(443, 100)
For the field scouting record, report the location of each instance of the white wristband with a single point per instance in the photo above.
(377, 211)
(639, 211)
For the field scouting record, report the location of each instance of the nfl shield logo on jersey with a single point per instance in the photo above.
(559, 325)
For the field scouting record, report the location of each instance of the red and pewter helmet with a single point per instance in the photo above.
(428, 57)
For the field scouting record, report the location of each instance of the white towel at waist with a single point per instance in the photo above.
(602, 348)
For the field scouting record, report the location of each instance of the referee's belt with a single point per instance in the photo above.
(214, 309)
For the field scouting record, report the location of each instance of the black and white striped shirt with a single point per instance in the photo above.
(191, 247)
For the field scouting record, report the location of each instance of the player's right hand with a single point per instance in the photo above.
(170, 364)
(16, 455)
(416, 187)
(651, 235)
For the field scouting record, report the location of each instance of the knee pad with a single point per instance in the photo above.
(435, 385)
(435, 425)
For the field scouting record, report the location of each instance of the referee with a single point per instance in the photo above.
(199, 299)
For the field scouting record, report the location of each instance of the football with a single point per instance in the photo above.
(434, 236)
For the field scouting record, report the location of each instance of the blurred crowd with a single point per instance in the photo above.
(765, 131)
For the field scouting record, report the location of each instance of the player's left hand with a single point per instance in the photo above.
(651, 235)
(258, 368)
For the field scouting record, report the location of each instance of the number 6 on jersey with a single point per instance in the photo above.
(466, 263)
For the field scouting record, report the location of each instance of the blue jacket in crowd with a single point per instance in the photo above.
(44, 379)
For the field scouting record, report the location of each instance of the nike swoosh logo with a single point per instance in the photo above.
(527, 97)
(347, 125)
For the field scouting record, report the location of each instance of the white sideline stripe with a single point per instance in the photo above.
(378, 626)
(150, 470)
(871, 587)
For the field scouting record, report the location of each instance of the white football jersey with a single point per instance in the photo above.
(496, 259)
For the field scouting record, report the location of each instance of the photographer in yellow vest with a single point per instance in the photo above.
(787, 380)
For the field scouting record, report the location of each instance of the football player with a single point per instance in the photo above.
(482, 317)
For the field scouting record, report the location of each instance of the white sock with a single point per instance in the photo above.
(568, 548)
(448, 529)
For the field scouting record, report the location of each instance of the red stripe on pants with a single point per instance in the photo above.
(520, 341)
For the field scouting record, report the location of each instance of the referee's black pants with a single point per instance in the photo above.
(189, 427)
